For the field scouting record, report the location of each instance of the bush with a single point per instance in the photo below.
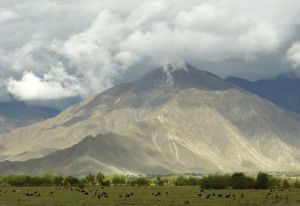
(71, 181)
(91, 180)
(286, 184)
(215, 182)
(241, 181)
(192, 181)
(297, 184)
(158, 181)
(140, 181)
(106, 183)
(181, 181)
(262, 181)
(118, 179)
(59, 181)
(100, 178)
(274, 183)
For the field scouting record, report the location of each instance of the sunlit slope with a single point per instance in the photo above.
(182, 121)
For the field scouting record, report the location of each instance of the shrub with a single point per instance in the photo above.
(71, 181)
(91, 180)
(58, 181)
(181, 181)
(262, 181)
(140, 181)
(158, 181)
(118, 179)
(106, 183)
(286, 184)
(100, 178)
(241, 181)
(215, 182)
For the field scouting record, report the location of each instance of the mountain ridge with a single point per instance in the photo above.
(283, 90)
(186, 126)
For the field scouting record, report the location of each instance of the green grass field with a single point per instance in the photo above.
(143, 196)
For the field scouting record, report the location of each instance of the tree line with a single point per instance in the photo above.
(235, 181)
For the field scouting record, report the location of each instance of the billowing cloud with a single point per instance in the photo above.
(79, 48)
(53, 85)
(293, 54)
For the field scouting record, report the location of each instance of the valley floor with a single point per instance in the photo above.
(116, 195)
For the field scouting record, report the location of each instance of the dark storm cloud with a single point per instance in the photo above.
(60, 49)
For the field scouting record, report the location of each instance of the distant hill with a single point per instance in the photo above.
(171, 120)
(18, 114)
(283, 90)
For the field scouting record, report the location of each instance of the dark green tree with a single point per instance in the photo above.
(59, 180)
(91, 179)
(71, 181)
(118, 179)
(286, 184)
(240, 181)
(100, 178)
(262, 181)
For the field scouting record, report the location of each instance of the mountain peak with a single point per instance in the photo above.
(180, 77)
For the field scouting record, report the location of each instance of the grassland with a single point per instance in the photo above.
(188, 195)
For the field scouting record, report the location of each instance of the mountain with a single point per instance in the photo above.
(171, 120)
(283, 90)
(18, 114)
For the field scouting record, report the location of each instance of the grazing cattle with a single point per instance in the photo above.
(220, 195)
(86, 193)
(242, 195)
(200, 195)
(51, 193)
(157, 194)
(227, 196)
(99, 196)
(167, 193)
(120, 195)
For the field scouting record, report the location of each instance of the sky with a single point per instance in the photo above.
(51, 50)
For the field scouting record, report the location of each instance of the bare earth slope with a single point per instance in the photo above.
(185, 120)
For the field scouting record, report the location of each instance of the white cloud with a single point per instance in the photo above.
(92, 43)
(293, 54)
(53, 85)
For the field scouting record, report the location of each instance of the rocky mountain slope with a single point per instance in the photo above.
(168, 121)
